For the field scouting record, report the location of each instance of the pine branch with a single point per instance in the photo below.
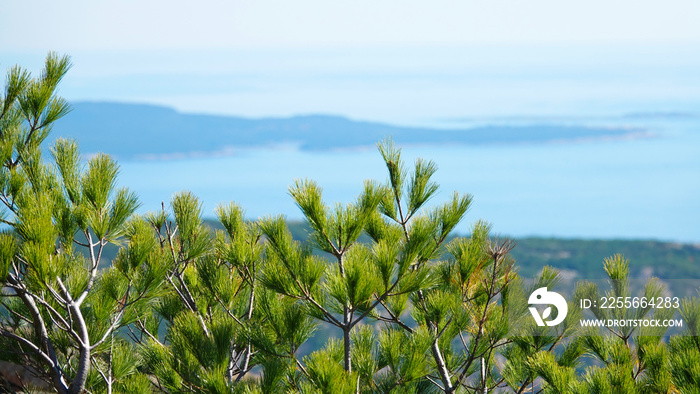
(183, 292)
(112, 327)
(95, 260)
(435, 383)
(377, 301)
(394, 319)
(45, 357)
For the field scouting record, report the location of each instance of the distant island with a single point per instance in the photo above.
(150, 132)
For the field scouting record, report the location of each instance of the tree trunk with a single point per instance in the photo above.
(81, 374)
(346, 322)
(57, 377)
(442, 368)
(346, 344)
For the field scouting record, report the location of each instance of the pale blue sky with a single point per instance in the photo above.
(402, 61)
(218, 24)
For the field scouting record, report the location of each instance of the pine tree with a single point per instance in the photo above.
(59, 312)
(462, 302)
(201, 335)
(186, 308)
(398, 272)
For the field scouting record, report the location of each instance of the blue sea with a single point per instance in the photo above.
(631, 188)
(644, 188)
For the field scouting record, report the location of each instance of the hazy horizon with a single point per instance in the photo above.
(443, 64)
(407, 86)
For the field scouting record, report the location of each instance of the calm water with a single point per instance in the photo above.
(645, 188)
(632, 189)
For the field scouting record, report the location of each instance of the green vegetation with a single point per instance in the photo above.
(664, 260)
(59, 312)
(581, 257)
(184, 306)
(576, 258)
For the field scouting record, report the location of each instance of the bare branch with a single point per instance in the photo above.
(435, 383)
(95, 261)
(29, 344)
(109, 331)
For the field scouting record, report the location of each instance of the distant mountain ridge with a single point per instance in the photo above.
(141, 131)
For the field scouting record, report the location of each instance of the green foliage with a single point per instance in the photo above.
(403, 355)
(59, 313)
(183, 306)
(559, 379)
(325, 370)
(194, 238)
